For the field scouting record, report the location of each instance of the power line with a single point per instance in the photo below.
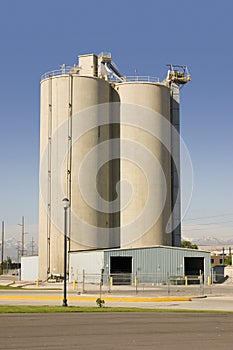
(208, 217)
(215, 223)
(197, 229)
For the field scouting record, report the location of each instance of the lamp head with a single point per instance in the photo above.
(66, 203)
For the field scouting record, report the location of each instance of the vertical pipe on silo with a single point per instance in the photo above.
(49, 174)
(175, 161)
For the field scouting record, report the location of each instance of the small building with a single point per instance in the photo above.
(222, 257)
(29, 268)
(150, 264)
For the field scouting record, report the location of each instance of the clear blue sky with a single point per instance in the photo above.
(38, 36)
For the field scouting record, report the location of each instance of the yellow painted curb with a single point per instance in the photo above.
(83, 298)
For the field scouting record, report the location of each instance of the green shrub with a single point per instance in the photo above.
(100, 302)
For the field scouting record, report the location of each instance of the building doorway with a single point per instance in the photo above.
(194, 267)
(121, 270)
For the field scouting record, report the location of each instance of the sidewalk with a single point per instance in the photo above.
(216, 297)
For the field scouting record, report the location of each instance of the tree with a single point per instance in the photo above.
(228, 260)
(188, 245)
(7, 263)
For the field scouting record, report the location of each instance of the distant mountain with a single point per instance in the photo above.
(212, 241)
(212, 244)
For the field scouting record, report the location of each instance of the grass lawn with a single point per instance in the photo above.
(52, 309)
(9, 287)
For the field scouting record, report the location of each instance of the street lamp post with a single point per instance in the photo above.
(66, 205)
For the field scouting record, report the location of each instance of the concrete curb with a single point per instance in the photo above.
(107, 299)
(134, 299)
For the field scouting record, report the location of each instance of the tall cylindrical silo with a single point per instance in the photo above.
(66, 99)
(140, 103)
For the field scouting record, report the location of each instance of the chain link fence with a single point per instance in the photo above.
(156, 285)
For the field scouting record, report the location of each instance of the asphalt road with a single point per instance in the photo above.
(116, 331)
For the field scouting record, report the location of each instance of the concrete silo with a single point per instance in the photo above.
(116, 106)
(65, 94)
(146, 100)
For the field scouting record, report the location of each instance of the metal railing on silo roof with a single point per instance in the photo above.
(136, 78)
(105, 54)
(57, 72)
(74, 70)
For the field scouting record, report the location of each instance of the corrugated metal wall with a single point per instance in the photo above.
(159, 260)
(162, 261)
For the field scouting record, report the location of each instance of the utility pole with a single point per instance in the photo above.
(22, 239)
(3, 233)
(32, 246)
(22, 236)
(18, 250)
